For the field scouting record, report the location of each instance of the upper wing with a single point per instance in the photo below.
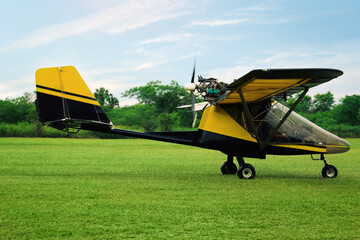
(259, 85)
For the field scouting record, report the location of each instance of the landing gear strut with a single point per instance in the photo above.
(329, 171)
(245, 171)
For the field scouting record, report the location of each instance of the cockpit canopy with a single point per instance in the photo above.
(295, 129)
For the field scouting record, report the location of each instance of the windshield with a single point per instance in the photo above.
(295, 129)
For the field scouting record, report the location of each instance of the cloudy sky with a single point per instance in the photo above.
(122, 44)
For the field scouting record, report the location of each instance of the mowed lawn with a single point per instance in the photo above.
(119, 189)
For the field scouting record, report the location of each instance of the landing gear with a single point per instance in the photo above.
(245, 171)
(329, 171)
(229, 166)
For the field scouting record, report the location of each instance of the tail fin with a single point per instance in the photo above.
(65, 102)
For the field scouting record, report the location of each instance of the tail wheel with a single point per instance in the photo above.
(247, 171)
(329, 171)
(228, 168)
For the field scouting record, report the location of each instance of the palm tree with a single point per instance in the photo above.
(101, 95)
(112, 101)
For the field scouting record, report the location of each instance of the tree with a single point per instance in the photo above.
(101, 94)
(105, 98)
(165, 97)
(347, 112)
(137, 116)
(323, 102)
(144, 115)
(304, 106)
(144, 94)
(320, 103)
(21, 109)
(112, 101)
(165, 120)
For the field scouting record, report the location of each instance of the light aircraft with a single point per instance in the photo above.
(240, 119)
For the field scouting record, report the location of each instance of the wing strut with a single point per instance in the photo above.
(249, 119)
(271, 135)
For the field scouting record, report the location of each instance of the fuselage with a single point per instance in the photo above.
(223, 128)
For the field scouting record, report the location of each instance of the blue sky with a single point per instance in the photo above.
(123, 44)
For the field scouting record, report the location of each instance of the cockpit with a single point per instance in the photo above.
(295, 129)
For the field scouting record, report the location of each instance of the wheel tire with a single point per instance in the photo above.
(228, 168)
(329, 171)
(247, 171)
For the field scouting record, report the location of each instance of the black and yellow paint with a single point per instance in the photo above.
(221, 132)
(63, 97)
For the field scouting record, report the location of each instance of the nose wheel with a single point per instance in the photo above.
(329, 171)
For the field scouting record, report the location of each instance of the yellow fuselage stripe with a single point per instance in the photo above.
(301, 147)
(67, 96)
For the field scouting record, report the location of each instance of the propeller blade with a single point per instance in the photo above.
(192, 96)
(193, 75)
(194, 122)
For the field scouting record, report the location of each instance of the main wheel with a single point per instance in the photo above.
(329, 171)
(228, 168)
(247, 171)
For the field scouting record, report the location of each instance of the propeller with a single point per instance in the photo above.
(191, 87)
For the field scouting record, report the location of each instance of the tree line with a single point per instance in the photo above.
(157, 111)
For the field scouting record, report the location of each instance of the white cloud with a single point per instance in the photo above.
(168, 38)
(217, 22)
(265, 13)
(129, 15)
(145, 66)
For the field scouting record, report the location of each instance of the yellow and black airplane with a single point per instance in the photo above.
(241, 119)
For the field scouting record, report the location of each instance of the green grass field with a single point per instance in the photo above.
(119, 189)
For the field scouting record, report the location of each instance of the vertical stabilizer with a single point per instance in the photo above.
(64, 100)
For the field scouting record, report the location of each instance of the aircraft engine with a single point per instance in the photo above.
(210, 88)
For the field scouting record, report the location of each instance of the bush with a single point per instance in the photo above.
(22, 129)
